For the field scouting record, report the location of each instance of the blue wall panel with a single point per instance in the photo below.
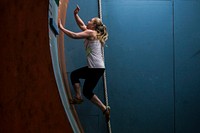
(152, 63)
(139, 61)
(187, 46)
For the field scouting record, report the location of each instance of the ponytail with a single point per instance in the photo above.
(102, 34)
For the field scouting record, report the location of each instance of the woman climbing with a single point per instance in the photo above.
(95, 35)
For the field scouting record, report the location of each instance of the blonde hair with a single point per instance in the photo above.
(102, 33)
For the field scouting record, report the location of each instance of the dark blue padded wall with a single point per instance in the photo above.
(187, 48)
(139, 61)
(152, 65)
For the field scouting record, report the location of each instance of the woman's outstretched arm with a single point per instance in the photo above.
(76, 35)
(79, 21)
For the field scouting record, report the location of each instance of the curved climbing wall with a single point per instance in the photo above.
(29, 99)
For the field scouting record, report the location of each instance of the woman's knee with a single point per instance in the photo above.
(72, 75)
(88, 94)
(74, 78)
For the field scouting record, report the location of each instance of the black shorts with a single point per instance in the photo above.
(91, 76)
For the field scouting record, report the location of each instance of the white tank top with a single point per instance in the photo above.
(94, 54)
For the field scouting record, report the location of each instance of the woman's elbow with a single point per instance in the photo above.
(74, 36)
(77, 36)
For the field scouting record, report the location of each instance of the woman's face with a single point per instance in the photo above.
(91, 24)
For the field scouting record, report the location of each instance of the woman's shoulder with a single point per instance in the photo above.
(92, 33)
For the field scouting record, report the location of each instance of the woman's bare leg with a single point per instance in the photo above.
(104, 109)
(98, 103)
(77, 89)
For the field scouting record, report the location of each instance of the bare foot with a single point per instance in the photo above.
(107, 114)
